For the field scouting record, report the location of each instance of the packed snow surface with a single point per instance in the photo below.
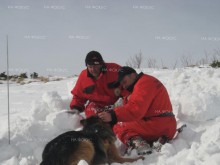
(38, 114)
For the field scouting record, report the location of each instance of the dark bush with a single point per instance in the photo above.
(34, 75)
(3, 76)
(23, 75)
(215, 64)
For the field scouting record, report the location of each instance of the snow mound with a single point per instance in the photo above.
(29, 135)
(53, 100)
(195, 93)
(64, 120)
(211, 145)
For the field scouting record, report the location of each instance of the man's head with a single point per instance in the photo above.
(94, 63)
(126, 76)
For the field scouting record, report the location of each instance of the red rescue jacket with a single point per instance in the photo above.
(149, 98)
(101, 91)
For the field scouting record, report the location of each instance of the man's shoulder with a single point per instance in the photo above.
(147, 77)
(112, 65)
(83, 73)
(150, 80)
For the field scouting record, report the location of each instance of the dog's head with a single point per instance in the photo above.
(95, 125)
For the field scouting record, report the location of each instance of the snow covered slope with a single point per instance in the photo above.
(38, 115)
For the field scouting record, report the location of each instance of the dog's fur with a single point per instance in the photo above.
(94, 144)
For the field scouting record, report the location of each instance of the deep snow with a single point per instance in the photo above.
(38, 115)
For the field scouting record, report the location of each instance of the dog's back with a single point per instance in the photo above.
(58, 151)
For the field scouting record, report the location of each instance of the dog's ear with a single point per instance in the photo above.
(83, 122)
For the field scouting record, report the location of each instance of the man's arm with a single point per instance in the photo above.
(136, 108)
(78, 101)
(138, 103)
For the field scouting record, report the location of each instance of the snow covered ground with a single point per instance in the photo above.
(38, 115)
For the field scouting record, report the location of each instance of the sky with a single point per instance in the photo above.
(52, 37)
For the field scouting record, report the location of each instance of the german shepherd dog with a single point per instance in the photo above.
(95, 144)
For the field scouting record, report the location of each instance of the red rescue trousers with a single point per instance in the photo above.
(150, 129)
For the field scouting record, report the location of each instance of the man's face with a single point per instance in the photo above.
(94, 70)
(128, 80)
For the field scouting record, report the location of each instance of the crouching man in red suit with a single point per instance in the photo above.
(95, 89)
(146, 114)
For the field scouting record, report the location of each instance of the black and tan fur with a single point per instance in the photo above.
(94, 144)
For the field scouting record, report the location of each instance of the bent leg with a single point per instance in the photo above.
(150, 130)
